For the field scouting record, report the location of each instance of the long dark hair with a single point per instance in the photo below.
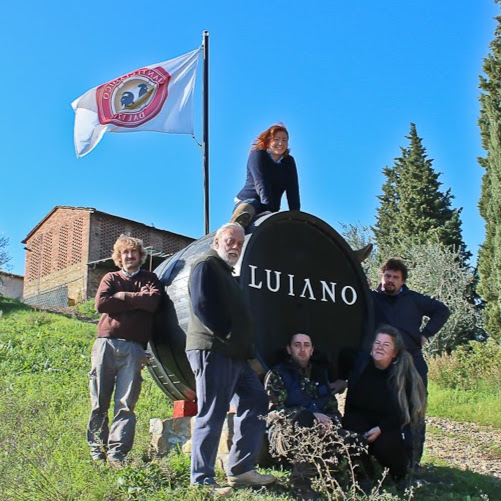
(404, 377)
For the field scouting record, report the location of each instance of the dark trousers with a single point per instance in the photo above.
(419, 428)
(389, 448)
(221, 381)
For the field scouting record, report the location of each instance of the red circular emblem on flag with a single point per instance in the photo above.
(133, 99)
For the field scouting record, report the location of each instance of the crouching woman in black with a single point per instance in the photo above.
(386, 396)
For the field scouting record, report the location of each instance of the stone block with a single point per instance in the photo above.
(169, 433)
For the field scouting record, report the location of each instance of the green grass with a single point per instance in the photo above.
(481, 406)
(442, 483)
(44, 406)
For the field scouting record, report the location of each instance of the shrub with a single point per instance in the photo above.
(434, 270)
(439, 272)
(472, 366)
(88, 309)
(137, 481)
(332, 453)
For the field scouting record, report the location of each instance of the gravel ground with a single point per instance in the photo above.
(467, 446)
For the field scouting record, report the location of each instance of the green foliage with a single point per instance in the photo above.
(44, 412)
(138, 483)
(481, 406)
(44, 407)
(179, 466)
(415, 221)
(412, 206)
(88, 309)
(466, 384)
(358, 236)
(38, 342)
(489, 259)
(4, 257)
(474, 366)
(385, 230)
(437, 271)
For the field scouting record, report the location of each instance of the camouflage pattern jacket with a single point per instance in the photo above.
(292, 389)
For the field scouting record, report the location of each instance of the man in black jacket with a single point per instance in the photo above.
(219, 343)
(396, 305)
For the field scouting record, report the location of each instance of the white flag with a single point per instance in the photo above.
(157, 98)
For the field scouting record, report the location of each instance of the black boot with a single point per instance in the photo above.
(364, 472)
(301, 481)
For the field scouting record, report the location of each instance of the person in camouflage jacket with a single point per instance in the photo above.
(300, 391)
(300, 387)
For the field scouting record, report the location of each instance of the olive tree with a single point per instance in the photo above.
(435, 269)
(438, 271)
(4, 257)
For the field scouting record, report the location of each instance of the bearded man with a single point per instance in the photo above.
(220, 341)
(416, 316)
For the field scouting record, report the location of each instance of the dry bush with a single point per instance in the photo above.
(334, 454)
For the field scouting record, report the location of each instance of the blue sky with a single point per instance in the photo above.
(346, 77)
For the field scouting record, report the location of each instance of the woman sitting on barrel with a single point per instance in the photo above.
(386, 396)
(271, 172)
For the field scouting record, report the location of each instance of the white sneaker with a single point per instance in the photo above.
(251, 477)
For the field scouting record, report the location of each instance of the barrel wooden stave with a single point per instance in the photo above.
(286, 243)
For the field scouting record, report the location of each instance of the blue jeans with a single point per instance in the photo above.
(116, 365)
(221, 381)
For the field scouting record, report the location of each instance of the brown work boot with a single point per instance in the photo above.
(215, 490)
(250, 478)
(220, 491)
(243, 215)
(116, 465)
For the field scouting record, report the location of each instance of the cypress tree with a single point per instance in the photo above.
(489, 259)
(413, 208)
(384, 229)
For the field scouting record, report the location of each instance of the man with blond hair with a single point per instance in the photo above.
(127, 300)
(219, 343)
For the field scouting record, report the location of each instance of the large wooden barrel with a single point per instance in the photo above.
(297, 274)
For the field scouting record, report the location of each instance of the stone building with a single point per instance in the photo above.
(69, 251)
(11, 285)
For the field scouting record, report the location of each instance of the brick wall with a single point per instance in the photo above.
(105, 229)
(57, 254)
(69, 238)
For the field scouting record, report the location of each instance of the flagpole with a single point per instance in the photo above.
(205, 126)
